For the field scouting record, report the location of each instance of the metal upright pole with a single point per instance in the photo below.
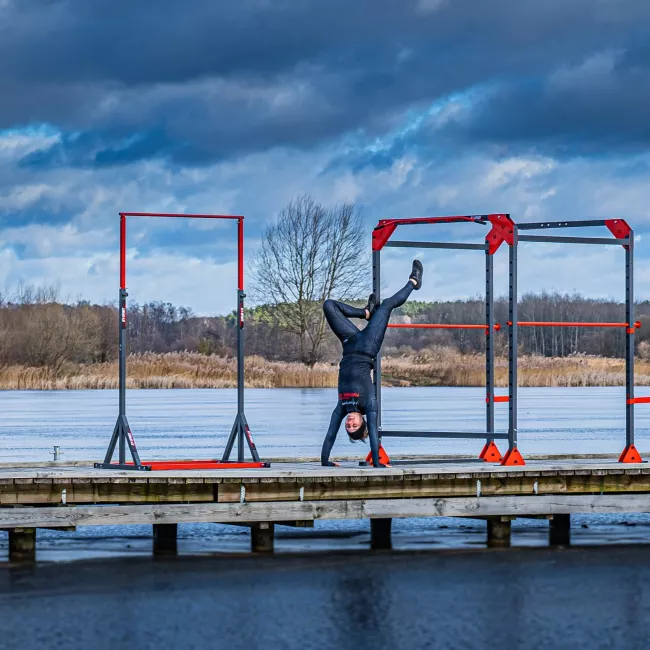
(489, 341)
(512, 344)
(122, 342)
(376, 287)
(240, 338)
(629, 342)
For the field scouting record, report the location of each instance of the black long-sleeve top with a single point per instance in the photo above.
(356, 395)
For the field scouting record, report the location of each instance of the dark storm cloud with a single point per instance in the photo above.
(204, 80)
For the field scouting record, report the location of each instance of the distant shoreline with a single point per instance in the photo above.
(431, 367)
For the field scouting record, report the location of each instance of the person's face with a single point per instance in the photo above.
(353, 422)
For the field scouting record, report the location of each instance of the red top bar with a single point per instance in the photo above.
(180, 216)
(174, 215)
(502, 228)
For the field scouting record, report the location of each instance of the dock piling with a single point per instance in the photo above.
(380, 534)
(22, 544)
(499, 531)
(262, 537)
(165, 538)
(559, 530)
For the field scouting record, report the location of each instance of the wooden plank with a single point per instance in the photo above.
(283, 511)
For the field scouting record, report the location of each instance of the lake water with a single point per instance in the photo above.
(291, 423)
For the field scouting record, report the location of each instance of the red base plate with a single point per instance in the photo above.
(513, 458)
(383, 457)
(158, 465)
(490, 453)
(630, 455)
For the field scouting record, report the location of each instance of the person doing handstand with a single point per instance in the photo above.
(360, 347)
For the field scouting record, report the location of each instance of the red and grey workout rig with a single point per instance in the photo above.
(505, 230)
(502, 230)
(240, 433)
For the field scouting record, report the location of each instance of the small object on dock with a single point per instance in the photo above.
(56, 453)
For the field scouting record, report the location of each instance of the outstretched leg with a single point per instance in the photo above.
(373, 335)
(337, 315)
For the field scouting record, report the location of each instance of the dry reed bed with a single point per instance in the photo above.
(437, 367)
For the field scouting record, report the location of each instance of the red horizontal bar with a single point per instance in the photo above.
(440, 326)
(639, 400)
(180, 216)
(159, 465)
(637, 324)
(501, 398)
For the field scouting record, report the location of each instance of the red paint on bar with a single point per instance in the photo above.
(161, 465)
(240, 253)
(175, 215)
(439, 326)
(639, 400)
(386, 227)
(637, 324)
(122, 251)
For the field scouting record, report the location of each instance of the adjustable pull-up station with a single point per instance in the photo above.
(240, 433)
(502, 230)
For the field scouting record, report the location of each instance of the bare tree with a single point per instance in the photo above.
(309, 254)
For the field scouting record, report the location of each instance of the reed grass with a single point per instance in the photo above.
(431, 367)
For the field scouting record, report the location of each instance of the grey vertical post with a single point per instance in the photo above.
(262, 537)
(489, 340)
(512, 343)
(22, 544)
(122, 375)
(380, 534)
(559, 530)
(240, 372)
(376, 287)
(629, 341)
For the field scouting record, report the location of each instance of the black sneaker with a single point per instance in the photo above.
(416, 273)
(372, 305)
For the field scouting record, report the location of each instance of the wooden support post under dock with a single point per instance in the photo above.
(559, 531)
(380, 534)
(165, 539)
(499, 531)
(262, 537)
(22, 544)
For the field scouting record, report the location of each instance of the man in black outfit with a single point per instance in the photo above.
(360, 347)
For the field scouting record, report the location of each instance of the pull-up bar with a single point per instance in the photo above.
(441, 326)
(532, 323)
(240, 430)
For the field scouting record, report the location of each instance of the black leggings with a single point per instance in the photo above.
(367, 341)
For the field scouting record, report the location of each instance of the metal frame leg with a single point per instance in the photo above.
(513, 457)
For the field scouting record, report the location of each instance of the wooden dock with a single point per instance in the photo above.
(56, 495)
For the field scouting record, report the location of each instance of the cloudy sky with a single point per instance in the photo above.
(407, 107)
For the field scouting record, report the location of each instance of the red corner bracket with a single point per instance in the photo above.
(503, 230)
(619, 228)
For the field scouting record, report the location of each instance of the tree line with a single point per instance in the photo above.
(37, 329)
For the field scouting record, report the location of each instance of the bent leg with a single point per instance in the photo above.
(373, 335)
(337, 314)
